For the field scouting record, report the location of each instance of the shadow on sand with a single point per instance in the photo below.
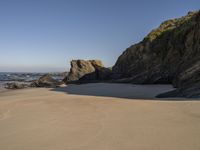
(128, 91)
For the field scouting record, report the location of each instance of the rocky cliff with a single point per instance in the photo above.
(168, 54)
(87, 71)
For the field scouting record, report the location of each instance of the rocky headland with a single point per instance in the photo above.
(169, 54)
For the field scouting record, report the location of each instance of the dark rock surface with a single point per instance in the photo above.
(16, 85)
(46, 81)
(168, 54)
(192, 91)
(87, 71)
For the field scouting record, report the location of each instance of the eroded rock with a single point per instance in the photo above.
(46, 81)
(87, 71)
(168, 54)
(16, 85)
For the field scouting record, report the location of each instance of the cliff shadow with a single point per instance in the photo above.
(128, 91)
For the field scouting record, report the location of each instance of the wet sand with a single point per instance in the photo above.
(98, 117)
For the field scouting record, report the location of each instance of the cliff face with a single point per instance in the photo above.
(168, 54)
(87, 71)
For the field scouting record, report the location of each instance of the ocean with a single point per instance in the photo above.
(7, 77)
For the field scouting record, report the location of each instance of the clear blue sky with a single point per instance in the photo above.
(44, 35)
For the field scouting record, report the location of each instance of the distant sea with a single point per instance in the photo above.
(7, 77)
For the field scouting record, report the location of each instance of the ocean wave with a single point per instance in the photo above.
(6, 77)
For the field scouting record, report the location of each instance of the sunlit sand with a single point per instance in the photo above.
(97, 117)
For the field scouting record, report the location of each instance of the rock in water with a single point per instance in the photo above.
(86, 71)
(46, 81)
(168, 54)
(16, 85)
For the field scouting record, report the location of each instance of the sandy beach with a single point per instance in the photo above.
(98, 117)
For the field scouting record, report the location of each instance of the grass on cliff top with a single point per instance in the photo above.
(169, 25)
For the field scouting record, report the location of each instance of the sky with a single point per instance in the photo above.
(45, 35)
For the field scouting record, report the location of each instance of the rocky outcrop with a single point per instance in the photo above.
(168, 54)
(46, 81)
(16, 85)
(192, 91)
(87, 71)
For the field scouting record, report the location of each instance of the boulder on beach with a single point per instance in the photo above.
(86, 71)
(46, 81)
(16, 85)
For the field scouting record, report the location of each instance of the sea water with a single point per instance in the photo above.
(6, 77)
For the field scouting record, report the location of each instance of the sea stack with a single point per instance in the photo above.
(87, 71)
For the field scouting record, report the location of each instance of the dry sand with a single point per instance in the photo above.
(97, 117)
